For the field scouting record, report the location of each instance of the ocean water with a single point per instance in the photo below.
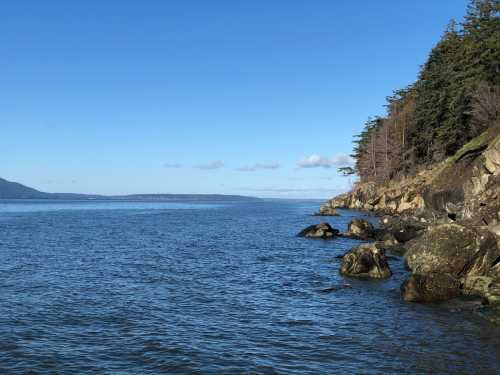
(223, 288)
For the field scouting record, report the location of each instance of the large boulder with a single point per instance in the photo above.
(321, 230)
(366, 260)
(453, 249)
(360, 228)
(432, 287)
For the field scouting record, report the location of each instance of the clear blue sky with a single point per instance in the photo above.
(234, 97)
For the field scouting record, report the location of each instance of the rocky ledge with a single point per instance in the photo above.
(445, 221)
(465, 187)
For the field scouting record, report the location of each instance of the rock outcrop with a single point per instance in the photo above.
(367, 261)
(445, 220)
(465, 255)
(321, 230)
(452, 249)
(326, 211)
(465, 186)
(360, 228)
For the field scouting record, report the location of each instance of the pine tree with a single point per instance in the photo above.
(455, 98)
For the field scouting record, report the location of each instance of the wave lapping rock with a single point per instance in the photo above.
(445, 220)
(321, 230)
(431, 287)
(453, 249)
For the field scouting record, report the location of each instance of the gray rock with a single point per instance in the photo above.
(432, 287)
(321, 230)
(453, 249)
(492, 295)
(494, 271)
(360, 228)
(476, 285)
(327, 211)
(366, 260)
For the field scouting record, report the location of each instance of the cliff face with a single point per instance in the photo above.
(456, 206)
(465, 188)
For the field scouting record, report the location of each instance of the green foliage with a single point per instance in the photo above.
(437, 108)
(346, 171)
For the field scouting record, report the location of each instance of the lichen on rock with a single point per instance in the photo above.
(365, 260)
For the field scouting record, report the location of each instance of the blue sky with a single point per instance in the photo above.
(236, 97)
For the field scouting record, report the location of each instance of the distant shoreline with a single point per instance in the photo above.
(15, 190)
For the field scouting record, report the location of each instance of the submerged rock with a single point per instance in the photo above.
(360, 228)
(335, 288)
(432, 287)
(453, 249)
(321, 230)
(366, 260)
(492, 314)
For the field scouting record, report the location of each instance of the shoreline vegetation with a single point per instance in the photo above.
(431, 170)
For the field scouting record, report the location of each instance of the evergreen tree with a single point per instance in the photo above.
(455, 97)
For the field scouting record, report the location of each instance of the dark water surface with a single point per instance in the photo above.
(170, 288)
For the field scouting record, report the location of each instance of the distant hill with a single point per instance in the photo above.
(15, 190)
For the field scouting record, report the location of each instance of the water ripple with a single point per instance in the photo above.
(210, 289)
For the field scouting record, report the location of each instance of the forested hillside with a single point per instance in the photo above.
(455, 98)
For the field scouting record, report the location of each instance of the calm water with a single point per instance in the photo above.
(171, 288)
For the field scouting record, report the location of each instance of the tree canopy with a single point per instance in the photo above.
(455, 97)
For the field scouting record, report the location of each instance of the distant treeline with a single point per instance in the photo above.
(455, 98)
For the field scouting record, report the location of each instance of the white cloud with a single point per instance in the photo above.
(319, 161)
(216, 164)
(258, 166)
(314, 161)
(342, 160)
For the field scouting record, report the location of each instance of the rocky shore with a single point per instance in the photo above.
(444, 221)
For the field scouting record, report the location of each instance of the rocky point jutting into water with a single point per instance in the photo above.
(430, 168)
(445, 221)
